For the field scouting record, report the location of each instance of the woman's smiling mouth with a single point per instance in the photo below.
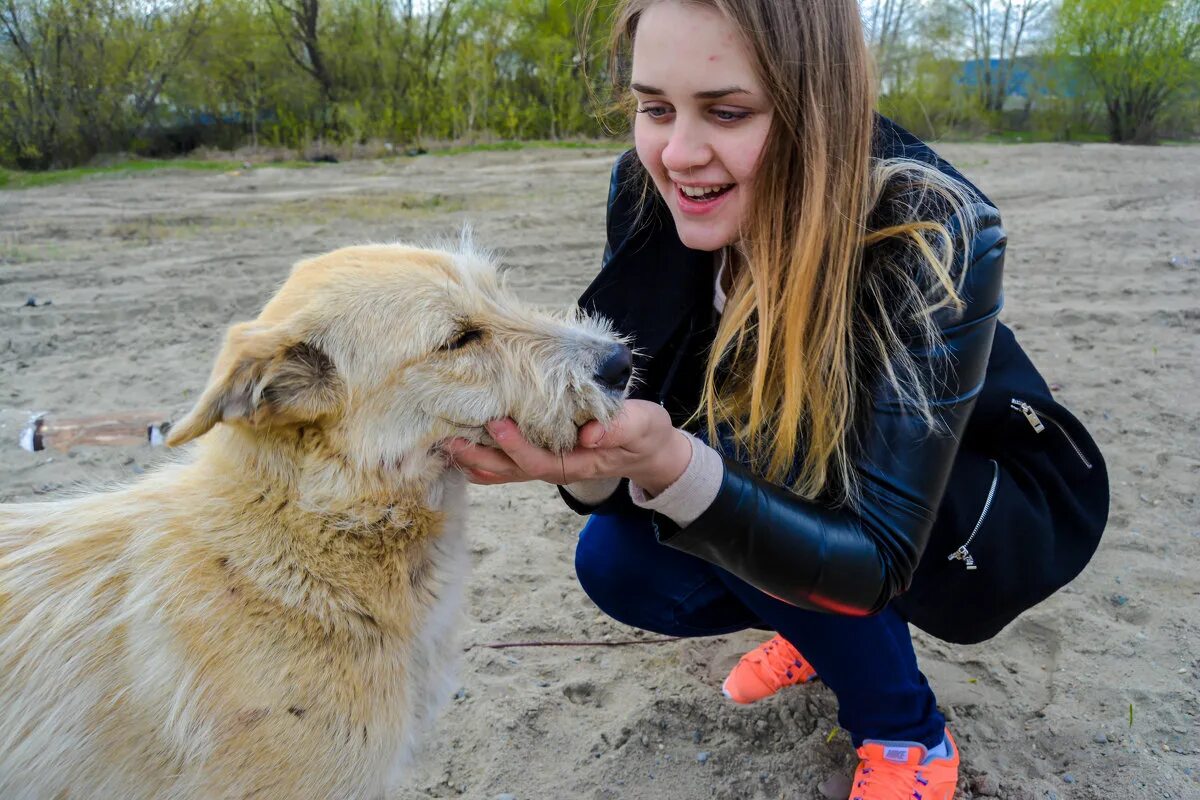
(701, 199)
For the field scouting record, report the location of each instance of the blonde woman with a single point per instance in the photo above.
(830, 435)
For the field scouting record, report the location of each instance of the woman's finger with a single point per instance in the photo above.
(477, 457)
(530, 459)
(482, 477)
(592, 434)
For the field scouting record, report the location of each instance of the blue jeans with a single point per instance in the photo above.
(868, 662)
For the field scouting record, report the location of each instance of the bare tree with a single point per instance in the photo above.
(298, 25)
(998, 30)
(887, 23)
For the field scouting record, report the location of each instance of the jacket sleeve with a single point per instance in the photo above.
(855, 560)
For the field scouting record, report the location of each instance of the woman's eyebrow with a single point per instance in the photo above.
(708, 94)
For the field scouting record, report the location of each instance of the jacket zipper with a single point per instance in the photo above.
(1035, 421)
(963, 554)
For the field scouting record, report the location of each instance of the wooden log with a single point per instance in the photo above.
(119, 429)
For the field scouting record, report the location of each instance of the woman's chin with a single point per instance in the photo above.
(703, 236)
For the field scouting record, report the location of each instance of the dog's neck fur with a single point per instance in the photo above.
(333, 540)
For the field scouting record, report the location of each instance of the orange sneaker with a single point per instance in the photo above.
(904, 771)
(765, 670)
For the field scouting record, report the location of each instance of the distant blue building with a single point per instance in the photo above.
(1030, 80)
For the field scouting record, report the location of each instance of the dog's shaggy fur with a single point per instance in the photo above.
(271, 615)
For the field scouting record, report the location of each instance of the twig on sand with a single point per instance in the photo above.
(621, 643)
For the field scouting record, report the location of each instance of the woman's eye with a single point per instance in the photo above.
(463, 339)
(724, 115)
(654, 112)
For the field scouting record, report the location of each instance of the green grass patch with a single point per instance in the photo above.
(363, 207)
(15, 179)
(533, 144)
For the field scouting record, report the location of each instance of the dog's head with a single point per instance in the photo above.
(391, 350)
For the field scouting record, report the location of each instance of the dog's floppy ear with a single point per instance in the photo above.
(263, 376)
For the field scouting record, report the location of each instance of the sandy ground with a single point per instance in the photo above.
(145, 273)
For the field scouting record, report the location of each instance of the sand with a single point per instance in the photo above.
(145, 273)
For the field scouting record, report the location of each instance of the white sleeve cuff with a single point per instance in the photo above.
(593, 492)
(691, 495)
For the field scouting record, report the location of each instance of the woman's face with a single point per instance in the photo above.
(702, 118)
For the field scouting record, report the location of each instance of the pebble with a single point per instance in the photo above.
(1100, 738)
(986, 785)
(836, 787)
(702, 756)
(1068, 778)
(1118, 600)
(505, 796)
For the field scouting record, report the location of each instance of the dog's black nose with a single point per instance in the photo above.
(616, 368)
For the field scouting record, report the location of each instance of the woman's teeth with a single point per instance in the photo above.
(699, 192)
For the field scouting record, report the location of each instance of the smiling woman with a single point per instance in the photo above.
(821, 438)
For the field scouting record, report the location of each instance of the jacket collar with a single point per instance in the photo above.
(651, 283)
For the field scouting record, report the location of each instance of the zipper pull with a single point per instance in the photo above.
(1030, 415)
(964, 555)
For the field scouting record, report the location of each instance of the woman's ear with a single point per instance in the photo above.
(264, 376)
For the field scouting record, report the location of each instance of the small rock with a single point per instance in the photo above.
(1100, 738)
(505, 796)
(697, 736)
(836, 787)
(702, 756)
(986, 785)
(1118, 600)
(1068, 778)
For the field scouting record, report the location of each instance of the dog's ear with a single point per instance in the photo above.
(263, 377)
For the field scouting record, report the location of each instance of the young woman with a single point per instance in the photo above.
(830, 434)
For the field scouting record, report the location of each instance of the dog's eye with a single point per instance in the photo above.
(463, 339)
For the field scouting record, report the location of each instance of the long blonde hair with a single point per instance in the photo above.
(808, 313)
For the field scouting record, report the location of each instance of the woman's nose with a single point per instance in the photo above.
(686, 149)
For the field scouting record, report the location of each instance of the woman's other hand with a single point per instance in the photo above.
(640, 444)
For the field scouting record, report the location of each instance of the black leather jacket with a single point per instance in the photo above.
(845, 560)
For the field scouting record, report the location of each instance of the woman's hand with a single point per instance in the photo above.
(640, 444)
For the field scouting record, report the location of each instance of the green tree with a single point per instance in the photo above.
(82, 76)
(1139, 53)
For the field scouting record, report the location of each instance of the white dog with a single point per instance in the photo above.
(271, 616)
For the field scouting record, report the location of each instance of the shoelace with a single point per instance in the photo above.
(780, 665)
(891, 782)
